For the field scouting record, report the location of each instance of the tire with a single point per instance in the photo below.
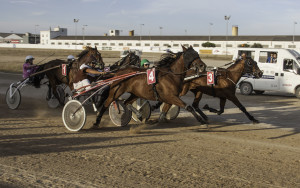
(145, 109)
(74, 115)
(172, 113)
(14, 101)
(258, 92)
(246, 88)
(297, 93)
(119, 118)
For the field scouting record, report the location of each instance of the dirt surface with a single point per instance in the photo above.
(38, 151)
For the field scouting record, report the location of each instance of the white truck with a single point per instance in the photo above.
(281, 69)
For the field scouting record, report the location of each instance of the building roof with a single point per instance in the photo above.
(186, 38)
(4, 35)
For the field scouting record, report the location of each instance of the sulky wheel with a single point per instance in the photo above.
(119, 114)
(73, 115)
(144, 107)
(53, 101)
(14, 101)
(172, 113)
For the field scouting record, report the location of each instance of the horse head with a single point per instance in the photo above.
(131, 59)
(192, 60)
(90, 55)
(250, 67)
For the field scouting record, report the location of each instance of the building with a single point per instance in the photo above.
(19, 38)
(46, 36)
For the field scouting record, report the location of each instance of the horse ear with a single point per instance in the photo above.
(183, 48)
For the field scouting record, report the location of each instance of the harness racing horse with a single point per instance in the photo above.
(55, 75)
(225, 87)
(167, 89)
(130, 59)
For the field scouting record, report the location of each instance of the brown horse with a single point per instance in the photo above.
(225, 88)
(55, 75)
(167, 88)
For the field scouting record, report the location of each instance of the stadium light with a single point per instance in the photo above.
(294, 32)
(141, 31)
(209, 31)
(76, 21)
(35, 33)
(227, 19)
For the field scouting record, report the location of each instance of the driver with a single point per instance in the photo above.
(86, 74)
(70, 59)
(145, 63)
(28, 66)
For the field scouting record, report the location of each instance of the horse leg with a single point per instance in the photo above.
(177, 101)
(128, 102)
(156, 106)
(114, 93)
(198, 96)
(235, 100)
(222, 106)
(165, 109)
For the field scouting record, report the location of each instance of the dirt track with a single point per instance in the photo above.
(37, 151)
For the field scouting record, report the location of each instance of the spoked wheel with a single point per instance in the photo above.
(53, 102)
(13, 97)
(74, 115)
(172, 113)
(119, 114)
(144, 107)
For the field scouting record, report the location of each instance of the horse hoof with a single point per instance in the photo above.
(206, 107)
(255, 121)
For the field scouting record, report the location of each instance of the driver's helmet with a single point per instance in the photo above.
(29, 57)
(70, 58)
(145, 62)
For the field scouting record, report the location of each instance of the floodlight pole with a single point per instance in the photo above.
(35, 33)
(76, 21)
(209, 31)
(294, 32)
(227, 19)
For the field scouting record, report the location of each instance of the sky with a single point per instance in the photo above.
(152, 17)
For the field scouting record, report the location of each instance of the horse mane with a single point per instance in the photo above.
(167, 59)
(189, 56)
(84, 52)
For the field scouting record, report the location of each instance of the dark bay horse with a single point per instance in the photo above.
(55, 75)
(225, 88)
(130, 59)
(167, 88)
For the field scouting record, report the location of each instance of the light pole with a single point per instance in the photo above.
(76, 21)
(160, 29)
(185, 32)
(141, 31)
(294, 32)
(209, 31)
(227, 19)
(35, 33)
(83, 28)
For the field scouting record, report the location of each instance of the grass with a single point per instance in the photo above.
(12, 59)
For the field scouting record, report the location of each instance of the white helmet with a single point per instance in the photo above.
(29, 57)
(70, 57)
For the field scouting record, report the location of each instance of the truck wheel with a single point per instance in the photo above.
(246, 88)
(258, 92)
(297, 93)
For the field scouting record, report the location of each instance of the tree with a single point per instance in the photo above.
(256, 45)
(208, 44)
(244, 45)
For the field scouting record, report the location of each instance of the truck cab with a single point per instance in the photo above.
(281, 71)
